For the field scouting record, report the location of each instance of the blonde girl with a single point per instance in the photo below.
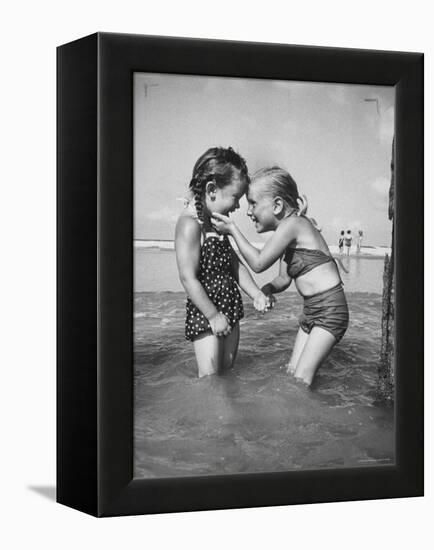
(304, 257)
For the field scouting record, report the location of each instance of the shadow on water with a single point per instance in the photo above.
(46, 491)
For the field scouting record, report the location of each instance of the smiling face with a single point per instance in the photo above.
(261, 208)
(225, 200)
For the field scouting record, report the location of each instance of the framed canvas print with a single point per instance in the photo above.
(240, 274)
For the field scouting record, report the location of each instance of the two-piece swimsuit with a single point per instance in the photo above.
(217, 278)
(327, 309)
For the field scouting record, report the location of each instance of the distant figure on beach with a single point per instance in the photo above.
(359, 241)
(209, 268)
(348, 241)
(304, 256)
(341, 242)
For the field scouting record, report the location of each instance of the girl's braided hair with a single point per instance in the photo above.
(279, 184)
(217, 165)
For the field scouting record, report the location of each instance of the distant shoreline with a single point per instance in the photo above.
(366, 251)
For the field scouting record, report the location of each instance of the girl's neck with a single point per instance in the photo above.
(206, 221)
(284, 216)
(207, 225)
(205, 214)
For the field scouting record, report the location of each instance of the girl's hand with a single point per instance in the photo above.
(302, 205)
(270, 296)
(222, 223)
(219, 324)
(262, 302)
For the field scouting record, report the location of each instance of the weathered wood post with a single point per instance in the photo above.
(386, 368)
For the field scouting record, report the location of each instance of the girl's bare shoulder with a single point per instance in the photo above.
(298, 229)
(301, 222)
(187, 226)
(308, 235)
(293, 224)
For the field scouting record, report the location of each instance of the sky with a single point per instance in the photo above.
(335, 144)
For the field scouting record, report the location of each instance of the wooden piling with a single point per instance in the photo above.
(386, 367)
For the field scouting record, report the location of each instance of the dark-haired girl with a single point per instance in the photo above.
(209, 269)
(304, 256)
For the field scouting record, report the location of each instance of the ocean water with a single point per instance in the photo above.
(155, 270)
(255, 417)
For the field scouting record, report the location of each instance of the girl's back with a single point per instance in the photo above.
(307, 236)
(312, 274)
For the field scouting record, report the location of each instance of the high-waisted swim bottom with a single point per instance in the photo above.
(328, 310)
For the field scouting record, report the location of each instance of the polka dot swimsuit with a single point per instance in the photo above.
(217, 278)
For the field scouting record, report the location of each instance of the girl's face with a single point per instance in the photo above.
(261, 208)
(225, 200)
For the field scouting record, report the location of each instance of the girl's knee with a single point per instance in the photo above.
(206, 372)
(229, 362)
(290, 368)
(304, 374)
(303, 381)
(207, 368)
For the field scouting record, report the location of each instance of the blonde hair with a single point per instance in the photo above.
(279, 183)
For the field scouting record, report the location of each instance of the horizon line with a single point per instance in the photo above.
(263, 242)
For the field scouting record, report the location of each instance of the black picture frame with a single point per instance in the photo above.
(95, 273)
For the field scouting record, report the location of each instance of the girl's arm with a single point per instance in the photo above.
(187, 246)
(258, 260)
(246, 282)
(279, 283)
(244, 278)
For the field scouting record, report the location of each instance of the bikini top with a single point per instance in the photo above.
(303, 260)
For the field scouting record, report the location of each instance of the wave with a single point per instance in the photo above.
(366, 251)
